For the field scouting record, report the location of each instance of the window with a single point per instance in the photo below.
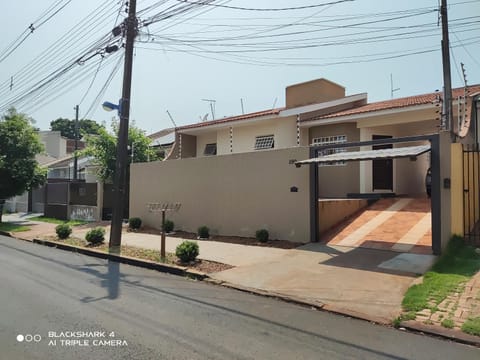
(210, 149)
(328, 140)
(264, 142)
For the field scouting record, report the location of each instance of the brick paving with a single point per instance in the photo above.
(397, 224)
(456, 308)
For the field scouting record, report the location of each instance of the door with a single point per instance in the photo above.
(382, 168)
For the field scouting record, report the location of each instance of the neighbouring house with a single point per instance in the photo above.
(162, 142)
(237, 174)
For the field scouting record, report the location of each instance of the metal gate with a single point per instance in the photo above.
(471, 194)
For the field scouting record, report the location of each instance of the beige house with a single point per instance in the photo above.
(237, 174)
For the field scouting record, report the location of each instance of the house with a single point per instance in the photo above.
(237, 174)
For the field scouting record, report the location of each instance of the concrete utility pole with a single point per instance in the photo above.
(120, 183)
(75, 159)
(447, 119)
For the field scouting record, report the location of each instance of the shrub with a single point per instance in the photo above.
(262, 235)
(168, 226)
(95, 236)
(63, 231)
(134, 223)
(187, 251)
(203, 232)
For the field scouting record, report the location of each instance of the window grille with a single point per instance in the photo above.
(328, 140)
(264, 142)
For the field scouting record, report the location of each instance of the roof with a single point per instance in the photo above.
(395, 103)
(406, 151)
(233, 118)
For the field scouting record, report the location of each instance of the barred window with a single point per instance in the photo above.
(328, 140)
(264, 142)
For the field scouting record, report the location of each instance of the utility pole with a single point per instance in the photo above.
(120, 183)
(447, 118)
(75, 158)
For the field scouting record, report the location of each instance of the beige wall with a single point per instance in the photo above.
(332, 212)
(312, 92)
(233, 194)
(338, 180)
(202, 140)
(55, 144)
(284, 131)
(188, 146)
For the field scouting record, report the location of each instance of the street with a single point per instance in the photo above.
(70, 306)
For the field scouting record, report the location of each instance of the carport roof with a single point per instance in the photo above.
(400, 152)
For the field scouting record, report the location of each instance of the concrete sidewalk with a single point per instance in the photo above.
(367, 283)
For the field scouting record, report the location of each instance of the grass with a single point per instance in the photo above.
(472, 326)
(58, 221)
(452, 270)
(447, 323)
(12, 227)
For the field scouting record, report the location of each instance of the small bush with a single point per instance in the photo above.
(447, 323)
(187, 251)
(262, 235)
(168, 226)
(134, 223)
(95, 236)
(203, 232)
(63, 231)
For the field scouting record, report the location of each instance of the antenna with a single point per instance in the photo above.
(392, 90)
(274, 103)
(171, 119)
(204, 117)
(212, 106)
(241, 103)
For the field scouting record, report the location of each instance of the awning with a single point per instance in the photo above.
(400, 152)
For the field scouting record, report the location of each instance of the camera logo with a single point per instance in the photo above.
(29, 338)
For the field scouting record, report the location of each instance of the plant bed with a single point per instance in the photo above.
(281, 244)
(204, 266)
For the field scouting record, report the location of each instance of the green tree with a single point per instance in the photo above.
(19, 143)
(103, 148)
(67, 127)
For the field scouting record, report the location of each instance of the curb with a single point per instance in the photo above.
(318, 305)
(449, 334)
(288, 298)
(6, 233)
(147, 264)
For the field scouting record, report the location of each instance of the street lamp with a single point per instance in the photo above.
(108, 106)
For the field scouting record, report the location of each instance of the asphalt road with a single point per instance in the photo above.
(57, 300)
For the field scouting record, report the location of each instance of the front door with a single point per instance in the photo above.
(382, 168)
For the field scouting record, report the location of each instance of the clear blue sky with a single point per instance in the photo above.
(230, 54)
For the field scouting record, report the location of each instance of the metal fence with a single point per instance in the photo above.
(471, 194)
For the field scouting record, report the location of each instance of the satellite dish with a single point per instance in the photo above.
(464, 125)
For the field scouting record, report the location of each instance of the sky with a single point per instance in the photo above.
(241, 54)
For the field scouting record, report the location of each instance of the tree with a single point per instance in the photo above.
(103, 147)
(67, 127)
(19, 143)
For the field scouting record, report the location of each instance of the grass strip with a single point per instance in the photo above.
(58, 221)
(12, 227)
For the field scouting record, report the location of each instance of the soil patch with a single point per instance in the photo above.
(280, 244)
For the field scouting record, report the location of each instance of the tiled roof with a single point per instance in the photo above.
(395, 103)
(233, 118)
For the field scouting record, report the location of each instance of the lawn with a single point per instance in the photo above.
(12, 227)
(57, 221)
(454, 268)
(451, 272)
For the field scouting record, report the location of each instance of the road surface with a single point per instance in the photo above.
(60, 305)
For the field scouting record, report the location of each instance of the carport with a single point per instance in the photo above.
(406, 151)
